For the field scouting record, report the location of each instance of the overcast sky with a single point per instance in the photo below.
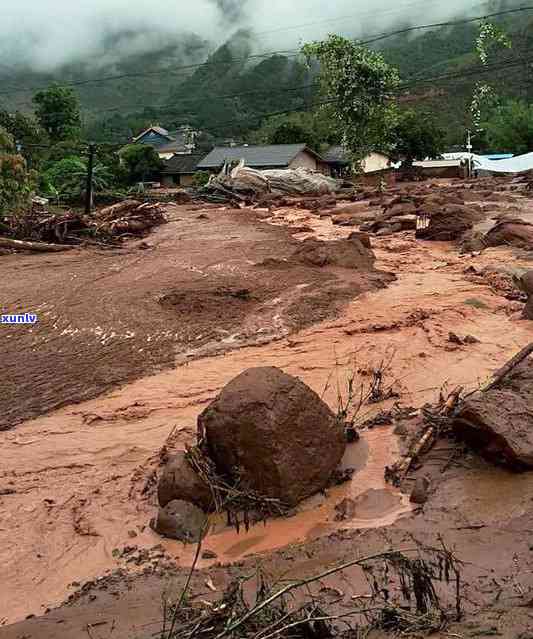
(48, 33)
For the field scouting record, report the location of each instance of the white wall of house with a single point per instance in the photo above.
(304, 160)
(375, 162)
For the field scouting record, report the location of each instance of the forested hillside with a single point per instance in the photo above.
(231, 93)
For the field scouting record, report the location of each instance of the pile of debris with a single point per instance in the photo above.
(264, 444)
(496, 421)
(242, 184)
(43, 231)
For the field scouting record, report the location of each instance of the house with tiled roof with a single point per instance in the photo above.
(270, 156)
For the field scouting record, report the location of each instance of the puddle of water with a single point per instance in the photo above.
(371, 503)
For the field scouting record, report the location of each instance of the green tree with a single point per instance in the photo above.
(313, 128)
(15, 179)
(58, 112)
(510, 128)
(357, 85)
(417, 136)
(26, 132)
(68, 178)
(140, 161)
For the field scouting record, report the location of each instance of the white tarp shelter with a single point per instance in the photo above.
(517, 164)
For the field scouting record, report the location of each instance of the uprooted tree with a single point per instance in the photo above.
(357, 85)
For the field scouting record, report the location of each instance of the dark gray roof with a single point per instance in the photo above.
(336, 154)
(273, 155)
(178, 144)
(181, 164)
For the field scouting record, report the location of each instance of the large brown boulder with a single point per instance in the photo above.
(349, 253)
(499, 423)
(275, 433)
(179, 481)
(450, 223)
(514, 232)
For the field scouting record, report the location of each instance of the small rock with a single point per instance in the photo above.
(209, 554)
(419, 494)
(132, 534)
(454, 339)
(179, 481)
(180, 520)
(470, 339)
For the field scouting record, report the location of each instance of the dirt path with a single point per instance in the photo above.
(79, 481)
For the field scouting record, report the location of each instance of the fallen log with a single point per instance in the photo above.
(505, 370)
(429, 435)
(40, 247)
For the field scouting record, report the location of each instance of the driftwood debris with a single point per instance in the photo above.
(505, 370)
(40, 247)
(448, 408)
(430, 433)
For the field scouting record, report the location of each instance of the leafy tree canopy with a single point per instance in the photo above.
(27, 132)
(357, 85)
(510, 128)
(140, 161)
(313, 128)
(58, 112)
(68, 178)
(417, 136)
(15, 180)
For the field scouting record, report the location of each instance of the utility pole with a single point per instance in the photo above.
(469, 148)
(89, 188)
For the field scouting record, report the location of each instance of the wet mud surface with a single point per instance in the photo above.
(77, 485)
(204, 285)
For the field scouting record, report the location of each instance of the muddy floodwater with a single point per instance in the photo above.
(77, 485)
(373, 503)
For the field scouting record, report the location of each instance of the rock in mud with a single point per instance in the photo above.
(499, 423)
(180, 520)
(350, 253)
(419, 494)
(514, 232)
(179, 481)
(281, 437)
(450, 223)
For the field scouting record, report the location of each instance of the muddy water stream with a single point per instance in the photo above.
(371, 501)
(77, 484)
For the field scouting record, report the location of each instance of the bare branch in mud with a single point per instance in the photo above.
(357, 391)
(412, 606)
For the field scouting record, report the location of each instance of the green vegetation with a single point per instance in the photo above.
(510, 127)
(58, 112)
(67, 179)
(417, 136)
(357, 85)
(15, 180)
(140, 162)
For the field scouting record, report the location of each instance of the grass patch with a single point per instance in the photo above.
(475, 303)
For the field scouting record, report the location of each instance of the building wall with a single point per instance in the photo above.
(172, 181)
(304, 160)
